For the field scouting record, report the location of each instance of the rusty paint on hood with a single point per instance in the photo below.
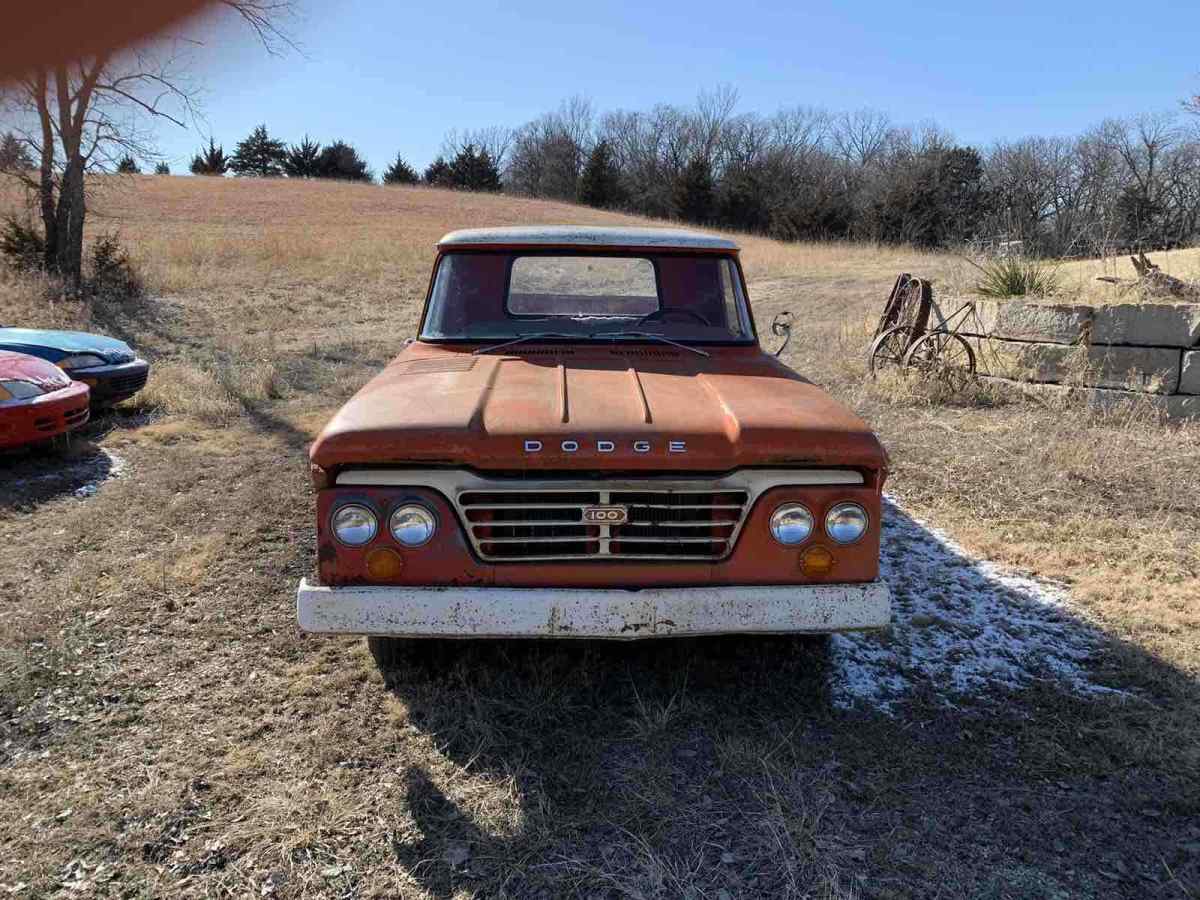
(736, 407)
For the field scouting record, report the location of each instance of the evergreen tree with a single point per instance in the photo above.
(14, 155)
(693, 193)
(600, 184)
(474, 170)
(210, 160)
(341, 161)
(301, 159)
(127, 165)
(400, 172)
(162, 169)
(259, 155)
(438, 174)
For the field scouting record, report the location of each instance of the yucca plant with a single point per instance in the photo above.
(1013, 276)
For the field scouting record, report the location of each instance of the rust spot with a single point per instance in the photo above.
(648, 626)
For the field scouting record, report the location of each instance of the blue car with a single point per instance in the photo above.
(108, 366)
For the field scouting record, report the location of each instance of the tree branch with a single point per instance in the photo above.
(263, 17)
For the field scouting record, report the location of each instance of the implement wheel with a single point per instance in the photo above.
(887, 351)
(942, 356)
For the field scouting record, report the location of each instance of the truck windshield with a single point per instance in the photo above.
(484, 296)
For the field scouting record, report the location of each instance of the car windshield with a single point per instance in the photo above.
(486, 296)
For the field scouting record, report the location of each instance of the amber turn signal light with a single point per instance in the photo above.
(816, 561)
(383, 564)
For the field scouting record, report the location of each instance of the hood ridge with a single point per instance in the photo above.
(733, 425)
(641, 394)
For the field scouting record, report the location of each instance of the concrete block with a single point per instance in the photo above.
(1148, 324)
(1189, 376)
(1146, 369)
(1176, 406)
(1183, 406)
(1031, 320)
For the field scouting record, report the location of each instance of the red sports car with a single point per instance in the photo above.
(38, 401)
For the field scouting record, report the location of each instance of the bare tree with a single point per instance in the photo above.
(861, 137)
(87, 114)
(495, 139)
(548, 154)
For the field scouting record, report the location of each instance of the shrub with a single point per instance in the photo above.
(474, 170)
(14, 155)
(128, 166)
(600, 183)
(113, 274)
(1016, 277)
(162, 169)
(693, 191)
(438, 173)
(22, 245)
(301, 160)
(210, 161)
(259, 155)
(340, 160)
(400, 172)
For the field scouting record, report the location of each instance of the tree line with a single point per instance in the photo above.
(806, 173)
(800, 173)
(263, 156)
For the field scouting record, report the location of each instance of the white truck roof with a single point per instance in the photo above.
(588, 236)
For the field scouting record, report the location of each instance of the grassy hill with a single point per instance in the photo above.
(165, 732)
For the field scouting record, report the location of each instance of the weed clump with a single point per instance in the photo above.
(1014, 276)
(21, 245)
(113, 274)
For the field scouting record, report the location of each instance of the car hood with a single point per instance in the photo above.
(54, 345)
(620, 407)
(22, 367)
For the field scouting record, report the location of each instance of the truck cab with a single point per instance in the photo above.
(587, 440)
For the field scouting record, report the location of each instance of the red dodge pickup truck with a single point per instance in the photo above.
(587, 440)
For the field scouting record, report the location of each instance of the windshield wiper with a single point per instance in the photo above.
(522, 339)
(647, 334)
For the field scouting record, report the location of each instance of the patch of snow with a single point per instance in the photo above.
(110, 465)
(961, 628)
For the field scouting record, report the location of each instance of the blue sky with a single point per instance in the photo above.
(390, 77)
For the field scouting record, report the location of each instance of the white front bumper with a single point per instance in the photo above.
(498, 612)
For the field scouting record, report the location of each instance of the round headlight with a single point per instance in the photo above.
(791, 524)
(413, 525)
(354, 525)
(846, 523)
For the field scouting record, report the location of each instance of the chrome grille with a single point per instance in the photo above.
(539, 516)
(546, 524)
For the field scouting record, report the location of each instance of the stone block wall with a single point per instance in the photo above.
(1115, 352)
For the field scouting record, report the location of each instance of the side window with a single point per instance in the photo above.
(731, 290)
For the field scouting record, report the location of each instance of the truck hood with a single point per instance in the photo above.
(622, 407)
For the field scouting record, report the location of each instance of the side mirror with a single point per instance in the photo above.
(781, 326)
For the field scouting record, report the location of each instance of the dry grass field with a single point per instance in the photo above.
(165, 731)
